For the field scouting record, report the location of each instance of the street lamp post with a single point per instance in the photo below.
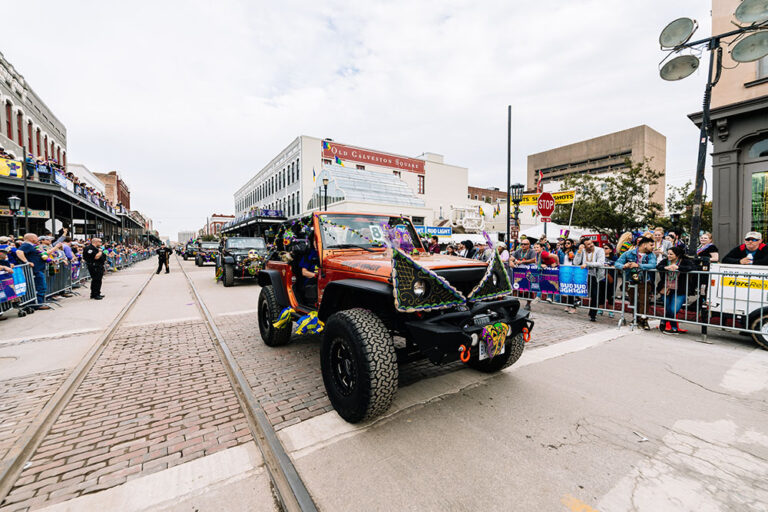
(14, 204)
(325, 194)
(516, 196)
(675, 37)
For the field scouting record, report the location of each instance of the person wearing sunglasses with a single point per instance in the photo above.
(752, 252)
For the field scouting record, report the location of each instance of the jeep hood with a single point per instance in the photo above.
(380, 263)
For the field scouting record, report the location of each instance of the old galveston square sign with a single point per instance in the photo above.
(331, 150)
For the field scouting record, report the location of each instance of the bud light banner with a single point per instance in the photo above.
(19, 281)
(573, 281)
(530, 278)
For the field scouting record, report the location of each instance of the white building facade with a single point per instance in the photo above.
(85, 175)
(426, 186)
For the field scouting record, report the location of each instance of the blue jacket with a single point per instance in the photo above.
(647, 263)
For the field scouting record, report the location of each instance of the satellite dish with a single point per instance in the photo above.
(678, 32)
(751, 48)
(679, 67)
(752, 11)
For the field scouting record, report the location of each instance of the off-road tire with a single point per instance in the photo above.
(761, 339)
(198, 263)
(365, 337)
(512, 352)
(229, 276)
(185, 257)
(269, 312)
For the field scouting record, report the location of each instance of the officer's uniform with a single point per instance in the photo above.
(95, 268)
(163, 255)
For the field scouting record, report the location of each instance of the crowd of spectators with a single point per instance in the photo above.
(48, 255)
(51, 171)
(661, 254)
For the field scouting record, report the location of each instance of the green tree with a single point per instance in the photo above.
(680, 201)
(612, 204)
(209, 238)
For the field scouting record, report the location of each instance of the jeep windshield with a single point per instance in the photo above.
(209, 245)
(365, 232)
(246, 243)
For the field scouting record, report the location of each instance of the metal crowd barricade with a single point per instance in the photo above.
(26, 292)
(729, 297)
(614, 295)
(59, 279)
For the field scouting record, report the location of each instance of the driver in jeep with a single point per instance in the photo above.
(308, 265)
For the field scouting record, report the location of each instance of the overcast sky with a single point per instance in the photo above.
(188, 99)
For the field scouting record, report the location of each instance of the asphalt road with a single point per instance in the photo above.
(643, 422)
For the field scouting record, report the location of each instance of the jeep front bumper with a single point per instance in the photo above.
(440, 337)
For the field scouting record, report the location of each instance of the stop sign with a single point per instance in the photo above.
(546, 205)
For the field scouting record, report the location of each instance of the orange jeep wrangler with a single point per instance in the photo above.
(362, 279)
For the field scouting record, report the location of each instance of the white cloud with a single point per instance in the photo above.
(188, 99)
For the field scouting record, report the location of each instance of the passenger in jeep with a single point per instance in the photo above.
(308, 265)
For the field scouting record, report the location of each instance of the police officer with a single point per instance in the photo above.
(94, 257)
(163, 255)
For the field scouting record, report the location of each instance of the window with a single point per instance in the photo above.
(762, 68)
(64, 158)
(396, 173)
(45, 145)
(29, 137)
(360, 166)
(469, 196)
(38, 143)
(20, 128)
(475, 197)
(421, 184)
(759, 149)
(58, 155)
(8, 120)
(759, 204)
(326, 161)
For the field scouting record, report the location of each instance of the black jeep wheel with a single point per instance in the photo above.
(512, 352)
(269, 312)
(229, 275)
(198, 262)
(185, 257)
(359, 364)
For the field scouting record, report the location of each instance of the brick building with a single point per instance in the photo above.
(115, 188)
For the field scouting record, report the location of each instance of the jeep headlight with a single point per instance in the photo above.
(238, 258)
(495, 279)
(420, 288)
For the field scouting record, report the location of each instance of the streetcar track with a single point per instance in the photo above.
(289, 487)
(25, 446)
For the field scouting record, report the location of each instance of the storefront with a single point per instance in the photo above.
(739, 187)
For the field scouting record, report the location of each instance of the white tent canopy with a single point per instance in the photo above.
(553, 231)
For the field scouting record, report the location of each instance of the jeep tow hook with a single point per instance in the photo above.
(464, 353)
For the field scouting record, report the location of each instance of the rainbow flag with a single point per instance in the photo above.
(326, 145)
(339, 162)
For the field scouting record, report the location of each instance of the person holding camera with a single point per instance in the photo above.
(634, 262)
